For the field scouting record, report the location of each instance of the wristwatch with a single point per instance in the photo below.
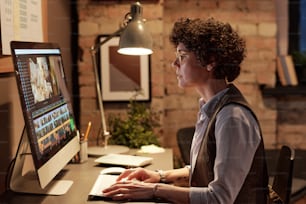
(161, 175)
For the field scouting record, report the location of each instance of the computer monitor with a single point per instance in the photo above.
(50, 127)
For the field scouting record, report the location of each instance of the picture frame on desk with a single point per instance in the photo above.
(123, 77)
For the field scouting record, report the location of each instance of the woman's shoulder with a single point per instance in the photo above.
(238, 111)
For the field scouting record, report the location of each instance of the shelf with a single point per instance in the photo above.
(285, 91)
(6, 64)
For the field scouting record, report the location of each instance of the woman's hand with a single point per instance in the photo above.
(140, 174)
(130, 190)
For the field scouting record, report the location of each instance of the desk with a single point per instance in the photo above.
(84, 176)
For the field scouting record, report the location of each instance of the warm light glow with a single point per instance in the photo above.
(135, 39)
(135, 51)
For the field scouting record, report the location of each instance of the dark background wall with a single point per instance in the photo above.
(11, 118)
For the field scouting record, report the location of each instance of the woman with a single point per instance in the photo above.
(227, 153)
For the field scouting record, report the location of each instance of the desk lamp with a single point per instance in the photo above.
(134, 40)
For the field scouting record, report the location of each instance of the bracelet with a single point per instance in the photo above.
(162, 176)
(154, 190)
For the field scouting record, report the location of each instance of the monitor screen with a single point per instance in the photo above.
(46, 106)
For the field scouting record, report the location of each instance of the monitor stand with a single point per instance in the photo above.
(28, 182)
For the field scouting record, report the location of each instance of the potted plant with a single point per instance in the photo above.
(136, 128)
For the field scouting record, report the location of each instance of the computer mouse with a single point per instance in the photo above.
(112, 170)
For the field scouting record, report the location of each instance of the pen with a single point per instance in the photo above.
(87, 131)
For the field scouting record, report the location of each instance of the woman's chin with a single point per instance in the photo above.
(181, 85)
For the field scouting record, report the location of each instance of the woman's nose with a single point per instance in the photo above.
(175, 63)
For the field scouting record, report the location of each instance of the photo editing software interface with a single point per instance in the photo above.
(50, 120)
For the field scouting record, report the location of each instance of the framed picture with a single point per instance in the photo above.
(123, 76)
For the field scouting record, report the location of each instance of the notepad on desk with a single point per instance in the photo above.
(124, 160)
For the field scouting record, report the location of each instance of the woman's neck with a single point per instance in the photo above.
(210, 89)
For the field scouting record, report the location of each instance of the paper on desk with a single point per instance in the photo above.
(151, 149)
(102, 182)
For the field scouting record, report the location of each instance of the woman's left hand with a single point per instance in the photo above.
(130, 190)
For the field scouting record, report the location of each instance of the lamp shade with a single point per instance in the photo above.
(135, 38)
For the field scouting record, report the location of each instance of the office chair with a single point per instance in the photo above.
(184, 138)
(282, 181)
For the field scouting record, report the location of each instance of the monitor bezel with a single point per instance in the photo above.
(72, 146)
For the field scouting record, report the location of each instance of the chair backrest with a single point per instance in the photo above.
(282, 181)
(184, 139)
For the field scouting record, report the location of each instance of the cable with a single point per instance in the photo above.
(9, 174)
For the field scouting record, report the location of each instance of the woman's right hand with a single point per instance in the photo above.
(140, 174)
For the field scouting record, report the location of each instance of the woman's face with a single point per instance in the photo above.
(189, 71)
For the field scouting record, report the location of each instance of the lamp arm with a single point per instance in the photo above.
(93, 52)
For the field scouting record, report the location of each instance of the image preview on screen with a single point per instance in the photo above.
(48, 115)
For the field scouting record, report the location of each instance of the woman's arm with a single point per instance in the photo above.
(134, 185)
(172, 193)
(175, 176)
(179, 177)
(135, 190)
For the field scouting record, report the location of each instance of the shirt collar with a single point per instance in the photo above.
(207, 108)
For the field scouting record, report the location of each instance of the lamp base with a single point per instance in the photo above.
(109, 149)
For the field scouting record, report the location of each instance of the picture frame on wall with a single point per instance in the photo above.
(123, 76)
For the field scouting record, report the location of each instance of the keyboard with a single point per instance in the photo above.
(102, 182)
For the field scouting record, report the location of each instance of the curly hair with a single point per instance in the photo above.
(211, 41)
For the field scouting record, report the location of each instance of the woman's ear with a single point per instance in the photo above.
(210, 66)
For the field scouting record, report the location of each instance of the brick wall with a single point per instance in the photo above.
(254, 20)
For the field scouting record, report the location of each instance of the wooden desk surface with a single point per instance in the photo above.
(83, 176)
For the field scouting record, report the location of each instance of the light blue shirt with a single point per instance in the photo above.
(237, 138)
